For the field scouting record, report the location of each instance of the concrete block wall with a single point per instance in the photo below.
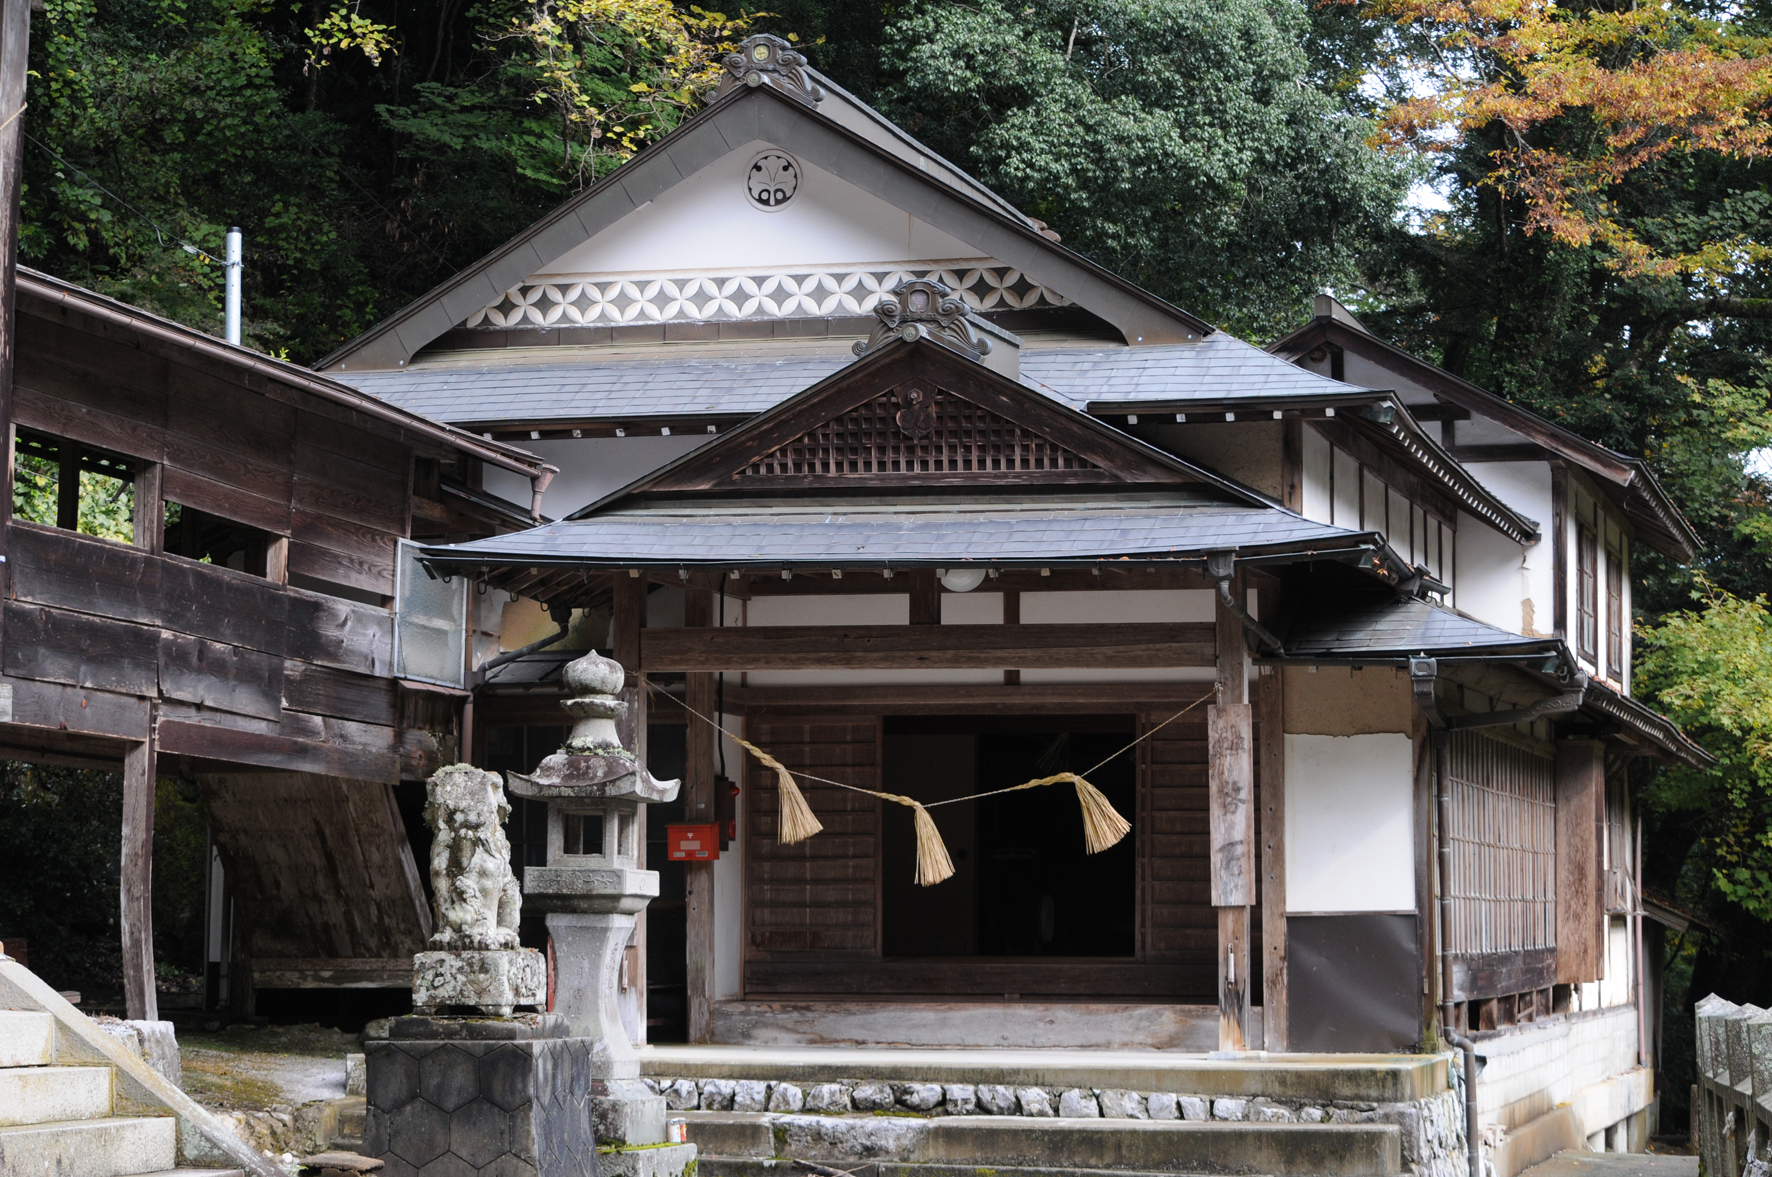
(1532, 1069)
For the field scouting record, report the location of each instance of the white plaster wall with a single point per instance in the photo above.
(974, 608)
(1531, 1069)
(1349, 840)
(707, 224)
(1147, 605)
(847, 609)
(1319, 458)
(590, 468)
(1526, 487)
(1489, 576)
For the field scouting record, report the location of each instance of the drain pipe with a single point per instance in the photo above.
(231, 287)
(1221, 566)
(1422, 675)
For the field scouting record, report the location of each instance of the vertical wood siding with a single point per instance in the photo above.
(1504, 851)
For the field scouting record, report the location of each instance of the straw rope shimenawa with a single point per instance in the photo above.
(1102, 824)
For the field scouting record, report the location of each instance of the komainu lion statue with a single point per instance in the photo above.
(477, 899)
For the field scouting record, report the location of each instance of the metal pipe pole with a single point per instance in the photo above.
(231, 274)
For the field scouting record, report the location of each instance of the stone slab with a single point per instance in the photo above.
(669, 1160)
(1005, 1025)
(1376, 1078)
(516, 1028)
(490, 981)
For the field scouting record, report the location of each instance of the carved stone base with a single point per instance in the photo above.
(487, 982)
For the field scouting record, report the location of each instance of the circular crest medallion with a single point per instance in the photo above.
(773, 179)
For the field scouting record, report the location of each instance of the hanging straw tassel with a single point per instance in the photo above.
(933, 864)
(1102, 824)
(797, 822)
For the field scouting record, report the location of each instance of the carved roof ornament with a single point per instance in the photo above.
(764, 59)
(922, 308)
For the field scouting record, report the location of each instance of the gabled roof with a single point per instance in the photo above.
(837, 134)
(49, 292)
(811, 427)
(1626, 481)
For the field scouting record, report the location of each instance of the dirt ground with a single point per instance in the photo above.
(272, 1083)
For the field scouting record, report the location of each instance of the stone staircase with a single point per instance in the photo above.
(60, 1121)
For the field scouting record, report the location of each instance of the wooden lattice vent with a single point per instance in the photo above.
(911, 431)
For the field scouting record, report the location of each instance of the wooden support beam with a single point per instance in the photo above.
(1012, 616)
(698, 806)
(925, 597)
(150, 515)
(629, 607)
(136, 879)
(1230, 779)
(67, 488)
(1271, 720)
(917, 647)
(1581, 833)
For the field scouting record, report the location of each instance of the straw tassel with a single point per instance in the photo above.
(933, 864)
(1102, 824)
(797, 822)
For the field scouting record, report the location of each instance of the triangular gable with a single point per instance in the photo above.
(913, 415)
(849, 147)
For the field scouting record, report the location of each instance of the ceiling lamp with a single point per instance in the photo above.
(962, 580)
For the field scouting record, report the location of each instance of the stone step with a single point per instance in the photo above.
(43, 1095)
(27, 1038)
(193, 1173)
(712, 1166)
(1120, 1146)
(112, 1147)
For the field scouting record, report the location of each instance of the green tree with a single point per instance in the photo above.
(1178, 142)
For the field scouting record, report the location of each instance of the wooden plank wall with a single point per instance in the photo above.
(248, 671)
(819, 897)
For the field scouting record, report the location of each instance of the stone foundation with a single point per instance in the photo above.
(1432, 1129)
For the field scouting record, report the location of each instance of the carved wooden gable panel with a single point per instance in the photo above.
(914, 431)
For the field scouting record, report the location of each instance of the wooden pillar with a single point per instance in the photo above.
(1271, 719)
(136, 882)
(698, 806)
(15, 43)
(925, 597)
(1231, 814)
(629, 606)
(1012, 616)
(1581, 834)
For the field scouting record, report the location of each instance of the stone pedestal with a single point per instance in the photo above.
(493, 982)
(499, 1097)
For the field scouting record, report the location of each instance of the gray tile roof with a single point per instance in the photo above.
(1338, 627)
(585, 387)
(847, 534)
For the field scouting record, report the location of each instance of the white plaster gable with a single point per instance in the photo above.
(707, 225)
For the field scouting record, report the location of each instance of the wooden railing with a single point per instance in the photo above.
(1732, 1104)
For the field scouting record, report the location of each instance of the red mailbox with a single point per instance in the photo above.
(693, 843)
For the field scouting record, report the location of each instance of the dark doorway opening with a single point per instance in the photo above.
(1023, 884)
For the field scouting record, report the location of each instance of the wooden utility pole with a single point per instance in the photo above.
(1230, 758)
(698, 806)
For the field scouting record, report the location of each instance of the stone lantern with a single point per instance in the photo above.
(592, 888)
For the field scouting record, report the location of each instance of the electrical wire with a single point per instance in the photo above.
(160, 232)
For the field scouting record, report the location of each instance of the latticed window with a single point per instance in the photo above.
(1587, 564)
(1615, 630)
(1504, 847)
(895, 433)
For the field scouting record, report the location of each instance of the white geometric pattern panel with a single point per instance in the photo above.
(800, 294)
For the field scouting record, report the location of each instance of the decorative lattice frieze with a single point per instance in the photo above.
(797, 294)
(914, 431)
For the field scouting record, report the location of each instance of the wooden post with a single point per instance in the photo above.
(1270, 710)
(136, 883)
(925, 597)
(1231, 814)
(698, 806)
(1581, 832)
(629, 606)
(1012, 616)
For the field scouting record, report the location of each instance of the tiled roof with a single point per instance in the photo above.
(846, 534)
(1390, 627)
(585, 387)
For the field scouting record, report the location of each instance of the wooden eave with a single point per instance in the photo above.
(1123, 460)
(1629, 484)
(52, 296)
(728, 123)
